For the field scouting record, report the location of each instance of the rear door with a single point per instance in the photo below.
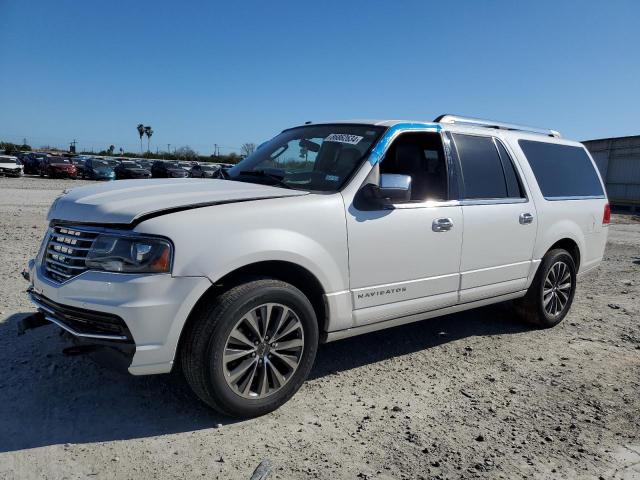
(499, 219)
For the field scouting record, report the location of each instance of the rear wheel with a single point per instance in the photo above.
(250, 350)
(551, 293)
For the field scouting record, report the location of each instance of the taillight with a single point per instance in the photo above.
(606, 217)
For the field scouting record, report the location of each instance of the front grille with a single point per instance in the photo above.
(67, 249)
(83, 323)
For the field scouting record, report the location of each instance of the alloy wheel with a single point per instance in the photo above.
(263, 351)
(556, 289)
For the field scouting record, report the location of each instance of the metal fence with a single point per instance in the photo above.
(618, 160)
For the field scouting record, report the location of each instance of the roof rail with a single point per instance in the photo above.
(451, 119)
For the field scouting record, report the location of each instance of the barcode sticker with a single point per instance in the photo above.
(344, 138)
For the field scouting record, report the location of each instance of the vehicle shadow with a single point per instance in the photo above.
(393, 342)
(47, 398)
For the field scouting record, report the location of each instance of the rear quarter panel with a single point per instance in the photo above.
(577, 219)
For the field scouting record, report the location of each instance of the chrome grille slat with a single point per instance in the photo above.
(67, 249)
(67, 245)
(65, 255)
(66, 265)
(59, 272)
(72, 237)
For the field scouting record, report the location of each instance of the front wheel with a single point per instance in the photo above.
(551, 293)
(249, 350)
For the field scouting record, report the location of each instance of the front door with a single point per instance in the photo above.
(404, 259)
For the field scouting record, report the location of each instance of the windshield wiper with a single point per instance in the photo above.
(263, 173)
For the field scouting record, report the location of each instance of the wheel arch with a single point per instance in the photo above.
(289, 272)
(570, 246)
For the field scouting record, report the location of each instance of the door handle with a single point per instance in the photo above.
(526, 218)
(442, 225)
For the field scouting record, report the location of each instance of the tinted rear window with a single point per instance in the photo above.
(562, 170)
(514, 189)
(482, 172)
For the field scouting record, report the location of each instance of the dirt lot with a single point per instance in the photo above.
(472, 395)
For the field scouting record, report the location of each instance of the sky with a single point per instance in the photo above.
(208, 72)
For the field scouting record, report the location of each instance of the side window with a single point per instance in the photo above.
(482, 172)
(421, 156)
(514, 187)
(562, 170)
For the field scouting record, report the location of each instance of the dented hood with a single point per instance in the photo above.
(130, 201)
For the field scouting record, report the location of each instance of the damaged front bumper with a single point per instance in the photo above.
(140, 317)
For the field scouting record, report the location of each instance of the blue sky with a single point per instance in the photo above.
(232, 72)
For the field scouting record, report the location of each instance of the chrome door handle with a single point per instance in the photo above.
(526, 218)
(442, 225)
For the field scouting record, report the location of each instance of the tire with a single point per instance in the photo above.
(208, 348)
(532, 307)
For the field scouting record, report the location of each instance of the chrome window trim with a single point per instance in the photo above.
(425, 204)
(581, 197)
(492, 201)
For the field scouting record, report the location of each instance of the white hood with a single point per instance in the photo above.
(126, 201)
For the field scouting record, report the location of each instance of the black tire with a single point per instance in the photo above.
(532, 306)
(205, 339)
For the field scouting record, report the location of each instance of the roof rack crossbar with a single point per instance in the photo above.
(451, 119)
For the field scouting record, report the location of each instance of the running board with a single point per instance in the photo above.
(394, 322)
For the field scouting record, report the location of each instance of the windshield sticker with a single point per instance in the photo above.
(344, 138)
(332, 178)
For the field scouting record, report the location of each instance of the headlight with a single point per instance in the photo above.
(130, 254)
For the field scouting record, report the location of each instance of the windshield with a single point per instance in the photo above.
(318, 157)
(12, 160)
(171, 165)
(99, 164)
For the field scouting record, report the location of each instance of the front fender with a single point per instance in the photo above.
(309, 231)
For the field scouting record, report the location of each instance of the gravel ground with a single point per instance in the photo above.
(471, 395)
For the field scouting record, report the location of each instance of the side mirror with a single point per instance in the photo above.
(394, 188)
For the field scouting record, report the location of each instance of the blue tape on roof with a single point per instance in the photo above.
(383, 143)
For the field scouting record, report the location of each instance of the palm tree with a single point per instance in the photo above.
(141, 133)
(148, 132)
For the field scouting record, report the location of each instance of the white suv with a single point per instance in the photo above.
(326, 231)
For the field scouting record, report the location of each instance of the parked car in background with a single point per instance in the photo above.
(79, 162)
(33, 163)
(98, 169)
(204, 170)
(168, 169)
(144, 163)
(114, 162)
(131, 169)
(10, 166)
(55, 166)
(186, 165)
(226, 165)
